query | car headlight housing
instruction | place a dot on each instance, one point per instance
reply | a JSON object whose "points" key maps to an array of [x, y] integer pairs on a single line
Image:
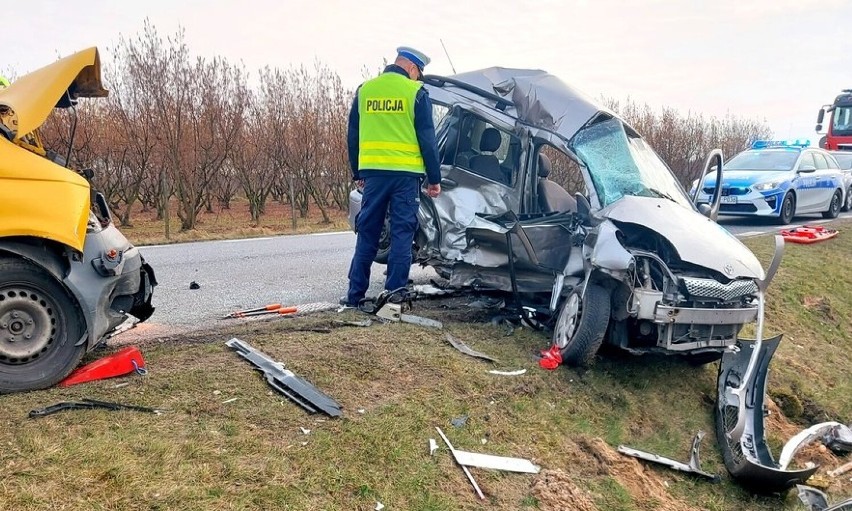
{"points": [[769, 185]]}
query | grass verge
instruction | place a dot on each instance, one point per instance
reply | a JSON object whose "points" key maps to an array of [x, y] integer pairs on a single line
{"points": [[251, 453]]}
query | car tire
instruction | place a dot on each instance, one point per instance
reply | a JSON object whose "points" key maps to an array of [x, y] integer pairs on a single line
{"points": [[581, 325], [384, 244], [834, 206], [40, 326], [847, 205], [788, 209]]}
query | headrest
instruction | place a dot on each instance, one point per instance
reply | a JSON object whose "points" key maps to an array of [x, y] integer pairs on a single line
{"points": [[490, 140], [543, 165]]}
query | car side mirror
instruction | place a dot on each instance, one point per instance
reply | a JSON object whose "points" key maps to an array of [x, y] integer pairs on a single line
{"points": [[818, 127], [807, 169], [820, 117]]}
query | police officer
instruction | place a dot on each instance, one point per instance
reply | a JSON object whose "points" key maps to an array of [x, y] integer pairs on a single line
{"points": [[392, 147]]}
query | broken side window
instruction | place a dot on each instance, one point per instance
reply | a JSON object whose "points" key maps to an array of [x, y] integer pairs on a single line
{"points": [[487, 150]]}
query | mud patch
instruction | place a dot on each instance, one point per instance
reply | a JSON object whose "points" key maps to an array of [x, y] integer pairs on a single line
{"points": [[556, 492], [647, 489], [821, 306]]}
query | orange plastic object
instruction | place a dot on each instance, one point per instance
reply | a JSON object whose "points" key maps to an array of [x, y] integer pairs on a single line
{"points": [[808, 234], [121, 363]]}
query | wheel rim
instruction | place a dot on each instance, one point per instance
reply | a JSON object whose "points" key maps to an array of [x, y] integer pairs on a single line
{"points": [[568, 320], [849, 199], [835, 203], [788, 209], [28, 319]]}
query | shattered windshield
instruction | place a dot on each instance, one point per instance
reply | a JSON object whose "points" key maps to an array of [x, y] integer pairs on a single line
{"points": [[622, 165]]}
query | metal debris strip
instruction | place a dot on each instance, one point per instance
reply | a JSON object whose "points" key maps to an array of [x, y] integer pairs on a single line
{"points": [[693, 466], [89, 404], [286, 382], [508, 373], [467, 350], [802, 439], [421, 321], [842, 469], [464, 468]]}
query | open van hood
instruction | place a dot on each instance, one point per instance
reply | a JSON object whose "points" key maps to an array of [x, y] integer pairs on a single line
{"points": [[26, 103]]}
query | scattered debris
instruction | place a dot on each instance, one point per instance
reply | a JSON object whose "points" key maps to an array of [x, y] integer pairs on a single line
{"points": [[89, 404], [393, 312], [740, 428], [433, 446], [242, 313], [362, 324], [432, 290], [123, 362], [228, 401], [464, 348], [121, 385], [486, 303], [693, 466], [390, 312], [483, 441], [464, 468], [217, 392], [417, 320], [508, 373], [286, 382], [459, 422], [802, 439], [194, 285], [473, 459], [305, 431], [842, 469], [839, 439], [362, 411], [379, 506], [550, 358], [129, 324], [818, 501]]}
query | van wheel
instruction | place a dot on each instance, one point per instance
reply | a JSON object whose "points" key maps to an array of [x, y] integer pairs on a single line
{"points": [[581, 325], [834, 206], [788, 209], [39, 327]]}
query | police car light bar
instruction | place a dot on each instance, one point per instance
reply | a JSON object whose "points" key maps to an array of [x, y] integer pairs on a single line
{"points": [[764, 144]]}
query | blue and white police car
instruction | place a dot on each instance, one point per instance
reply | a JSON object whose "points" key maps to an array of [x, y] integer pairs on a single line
{"points": [[779, 179]]}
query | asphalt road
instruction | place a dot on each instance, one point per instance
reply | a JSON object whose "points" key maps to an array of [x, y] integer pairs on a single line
{"points": [[290, 270]]}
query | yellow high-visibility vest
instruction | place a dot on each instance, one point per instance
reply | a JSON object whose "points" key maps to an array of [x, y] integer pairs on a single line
{"points": [[387, 139]]}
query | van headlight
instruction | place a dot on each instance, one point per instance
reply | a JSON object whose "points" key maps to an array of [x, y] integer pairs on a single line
{"points": [[93, 225]]}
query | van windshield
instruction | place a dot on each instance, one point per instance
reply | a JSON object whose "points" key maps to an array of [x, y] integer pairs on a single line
{"points": [[624, 164]]}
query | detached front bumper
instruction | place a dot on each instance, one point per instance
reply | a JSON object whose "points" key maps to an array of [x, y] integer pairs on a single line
{"points": [[111, 282], [752, 203]]}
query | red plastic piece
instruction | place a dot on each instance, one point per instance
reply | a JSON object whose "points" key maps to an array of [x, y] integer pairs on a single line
{"points": [[121, 363], [808, 234], [550, 358]]}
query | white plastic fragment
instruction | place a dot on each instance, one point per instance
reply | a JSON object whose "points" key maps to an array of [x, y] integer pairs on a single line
{"points": [[508, 373], [433, 446], [379, 506], [229, 400], [305, 431]]}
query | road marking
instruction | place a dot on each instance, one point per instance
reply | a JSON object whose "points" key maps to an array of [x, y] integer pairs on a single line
{"points": [[246, 239], [329, 233], [750, 233]]}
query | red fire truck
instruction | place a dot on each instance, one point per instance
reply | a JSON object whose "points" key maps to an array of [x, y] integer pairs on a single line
{"points": [[839, 136]]}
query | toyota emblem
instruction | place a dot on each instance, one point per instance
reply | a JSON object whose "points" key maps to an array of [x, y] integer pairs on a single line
{"points": [[729, 269]]}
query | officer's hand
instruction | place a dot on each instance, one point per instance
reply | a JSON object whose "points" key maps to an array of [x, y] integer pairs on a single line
{"points": [[360, 184], [433, 190]]}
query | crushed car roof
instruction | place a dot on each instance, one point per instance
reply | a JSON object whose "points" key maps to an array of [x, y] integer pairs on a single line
{"points": [[533, 96]]}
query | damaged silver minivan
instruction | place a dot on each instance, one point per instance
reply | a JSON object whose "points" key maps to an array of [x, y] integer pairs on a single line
{"points": [[556, 201]]}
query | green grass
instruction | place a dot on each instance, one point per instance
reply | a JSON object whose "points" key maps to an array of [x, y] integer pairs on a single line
{"points": [[249, 454]]}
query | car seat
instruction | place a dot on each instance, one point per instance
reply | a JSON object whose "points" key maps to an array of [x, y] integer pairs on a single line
{"points": [[551, 196], [487, 165]]}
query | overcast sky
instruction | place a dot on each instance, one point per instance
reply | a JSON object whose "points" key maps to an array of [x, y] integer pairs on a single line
{"points": [[772, 60]]}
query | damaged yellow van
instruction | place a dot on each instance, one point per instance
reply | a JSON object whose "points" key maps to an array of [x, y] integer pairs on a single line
{"points": [[68, 277]]}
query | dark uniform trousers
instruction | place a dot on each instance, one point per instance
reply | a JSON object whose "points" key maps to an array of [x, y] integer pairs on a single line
{"points": [[400, 194]]}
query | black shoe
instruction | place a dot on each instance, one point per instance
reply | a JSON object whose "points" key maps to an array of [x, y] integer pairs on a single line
{"points": [[344, 304]]}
